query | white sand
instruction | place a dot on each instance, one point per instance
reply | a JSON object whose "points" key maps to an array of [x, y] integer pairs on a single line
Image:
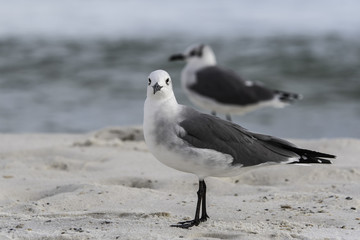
{"points": [[97, 186]]}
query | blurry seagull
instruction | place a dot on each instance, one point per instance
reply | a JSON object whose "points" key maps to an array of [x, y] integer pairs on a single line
{"points": [[221, 90], [187, 140]]}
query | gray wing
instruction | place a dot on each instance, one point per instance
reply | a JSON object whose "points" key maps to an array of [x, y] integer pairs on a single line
{"points": [[246, 148], [227, 87]]}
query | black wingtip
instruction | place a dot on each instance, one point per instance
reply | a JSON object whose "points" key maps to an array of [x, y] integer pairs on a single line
{"points": [[308, 156], [324, 161], [288, 97], [312, 161]]}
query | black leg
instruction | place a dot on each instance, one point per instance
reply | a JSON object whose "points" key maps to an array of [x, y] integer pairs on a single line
{"points": [[201, 198], [204, 215], [228, 117], [213, 113]]}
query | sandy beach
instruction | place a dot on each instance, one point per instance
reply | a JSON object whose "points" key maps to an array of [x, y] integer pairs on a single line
{"points": [[106, 185]]}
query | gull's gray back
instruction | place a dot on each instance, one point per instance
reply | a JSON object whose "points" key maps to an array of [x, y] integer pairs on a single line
{"points": [[248, 149], [225, 86]]}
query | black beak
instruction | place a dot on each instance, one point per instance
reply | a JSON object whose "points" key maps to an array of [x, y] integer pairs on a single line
{"points": [[177, 57], [156, 87]]}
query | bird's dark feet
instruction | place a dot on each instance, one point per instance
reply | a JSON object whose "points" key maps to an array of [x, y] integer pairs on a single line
{"points": [[187, 224], [191, 223], [204, 218]]}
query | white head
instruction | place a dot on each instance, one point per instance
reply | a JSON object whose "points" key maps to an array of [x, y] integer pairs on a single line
{"points": [[159, 85], [200, 54]]}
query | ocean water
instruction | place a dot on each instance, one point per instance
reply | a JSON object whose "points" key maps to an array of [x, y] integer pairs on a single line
{"points": [[78, 66]]}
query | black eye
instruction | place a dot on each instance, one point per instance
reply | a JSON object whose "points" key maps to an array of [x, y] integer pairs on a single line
{"points": [[167, 81], [149, 82], [193, 53]]}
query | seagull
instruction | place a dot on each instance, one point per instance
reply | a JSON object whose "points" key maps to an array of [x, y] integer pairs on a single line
{"points": [[207, 146], [221, 90]]}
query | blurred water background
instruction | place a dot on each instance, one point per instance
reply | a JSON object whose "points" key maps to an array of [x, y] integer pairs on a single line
{"points": [[77, 66]]}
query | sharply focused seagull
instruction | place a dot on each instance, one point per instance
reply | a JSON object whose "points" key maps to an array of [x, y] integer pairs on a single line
{"points": [[221, 90], [205, 145]]}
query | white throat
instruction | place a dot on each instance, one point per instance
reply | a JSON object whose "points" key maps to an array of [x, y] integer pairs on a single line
{"points": [[166, 107]]}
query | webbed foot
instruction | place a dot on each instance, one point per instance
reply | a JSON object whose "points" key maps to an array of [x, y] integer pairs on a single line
{"points": [[187, 224]]}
